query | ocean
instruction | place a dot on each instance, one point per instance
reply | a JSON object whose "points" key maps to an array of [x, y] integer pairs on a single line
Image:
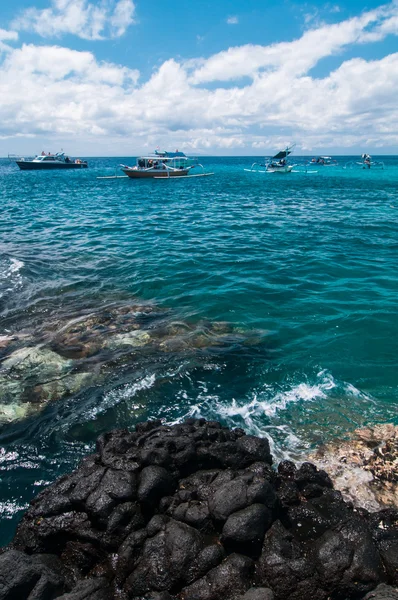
{"points": [[268, 302]]}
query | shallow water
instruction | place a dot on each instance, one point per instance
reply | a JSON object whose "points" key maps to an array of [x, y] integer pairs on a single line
{"points": [[303, 267]]}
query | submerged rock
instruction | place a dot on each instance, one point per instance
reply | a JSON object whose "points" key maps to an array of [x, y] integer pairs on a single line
{"points": [[364, 467], [65, 357], [195, 511], [13, 411], [36, 361], [6, 340], [135, 338]]}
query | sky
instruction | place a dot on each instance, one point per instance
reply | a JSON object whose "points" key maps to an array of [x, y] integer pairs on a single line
{"points": [[225, 77]]}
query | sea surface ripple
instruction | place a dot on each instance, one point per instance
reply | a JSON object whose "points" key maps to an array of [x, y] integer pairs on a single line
{"points": [[308, 259]]}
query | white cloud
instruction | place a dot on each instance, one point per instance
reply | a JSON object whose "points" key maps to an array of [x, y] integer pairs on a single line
{"points": [[233, 20], [66, 94], [88, 20], [298, 56], [11, 36]]}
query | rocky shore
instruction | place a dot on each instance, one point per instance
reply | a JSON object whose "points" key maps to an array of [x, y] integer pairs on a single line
{"points": [[364, 467], [196, 511]]}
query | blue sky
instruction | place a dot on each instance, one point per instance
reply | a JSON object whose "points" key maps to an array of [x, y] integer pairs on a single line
{"points": [[120, 77]]}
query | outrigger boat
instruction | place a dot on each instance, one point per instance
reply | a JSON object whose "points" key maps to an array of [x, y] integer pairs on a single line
{"points": [[50, 161], [365, 163], [276, 164], [163, 165]]}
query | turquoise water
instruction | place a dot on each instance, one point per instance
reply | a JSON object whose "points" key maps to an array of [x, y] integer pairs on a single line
{"points": [[302, 267]]}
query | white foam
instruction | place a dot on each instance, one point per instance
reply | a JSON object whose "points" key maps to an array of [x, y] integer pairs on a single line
{"points": [[116, 396], [264, 413], [9, 509], [7, 456], [10, 275], [16, 265]]}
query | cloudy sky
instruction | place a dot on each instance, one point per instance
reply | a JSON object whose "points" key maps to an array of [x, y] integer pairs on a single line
{"points": [[120, 77]]}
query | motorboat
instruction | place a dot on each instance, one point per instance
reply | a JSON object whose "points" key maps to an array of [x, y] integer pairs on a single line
{"points": [[324, 161], [161, 164], [50, 161], [276, 164]]}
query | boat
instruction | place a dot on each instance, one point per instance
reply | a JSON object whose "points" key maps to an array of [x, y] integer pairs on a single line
{"points": [[276, 164], [162, 165], [366, 162], [50, 161], [324, 161]]}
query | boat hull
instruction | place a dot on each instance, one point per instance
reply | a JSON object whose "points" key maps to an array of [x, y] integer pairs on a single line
{"points": [[284, 169], [26, 165], [137, 174]]}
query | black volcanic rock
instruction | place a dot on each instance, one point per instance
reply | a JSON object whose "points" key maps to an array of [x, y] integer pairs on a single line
{"points": [[29, 577], [382, 592], [195, 511]]}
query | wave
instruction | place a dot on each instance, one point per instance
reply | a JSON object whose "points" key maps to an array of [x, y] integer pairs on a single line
{"points": [[294, 415], [8, 510]]}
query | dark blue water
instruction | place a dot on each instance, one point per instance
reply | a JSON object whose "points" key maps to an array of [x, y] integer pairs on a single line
{"points": [[285, 289]]}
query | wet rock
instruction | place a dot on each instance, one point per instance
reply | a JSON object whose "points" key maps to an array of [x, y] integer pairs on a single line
{"points": [[29, 578], [89, 589], [258, 594], [12, 411], [30, 376], [229, 498], [165, 559], [135, 339], [364, 467], [38, 362], [64, 386], [114, 487], [285, 565], [244, 530], [231, 578], [6, 340], [382, 592], [155, 482], [388, 549], [169, 513]]}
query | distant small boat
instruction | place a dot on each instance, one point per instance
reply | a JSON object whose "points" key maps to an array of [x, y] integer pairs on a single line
{"points": [[324, 161], [50, 161], [276, 164], [366, 163], [161, 165]]}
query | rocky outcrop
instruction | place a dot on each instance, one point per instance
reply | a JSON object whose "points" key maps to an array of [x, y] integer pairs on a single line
{"points": [[365, 466], [197, 512]]}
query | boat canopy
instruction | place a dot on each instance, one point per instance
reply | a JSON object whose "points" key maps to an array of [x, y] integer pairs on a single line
{"points": [[175, 154], [283, 153]]}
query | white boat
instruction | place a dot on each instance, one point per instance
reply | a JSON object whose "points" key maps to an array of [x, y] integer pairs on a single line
{"points": [[276, 164], [162, 165]]}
